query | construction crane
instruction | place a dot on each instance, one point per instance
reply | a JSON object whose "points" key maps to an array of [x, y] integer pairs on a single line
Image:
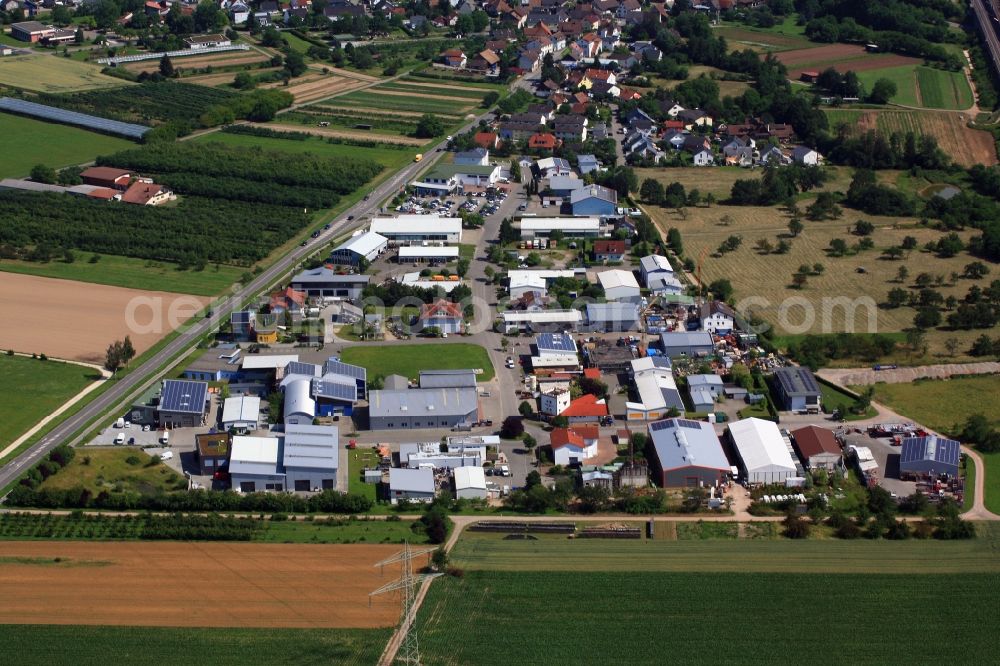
{"points": [[409, 650]]}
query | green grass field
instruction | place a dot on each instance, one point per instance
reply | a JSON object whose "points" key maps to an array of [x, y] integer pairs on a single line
{"points": [[558, 617], [357, 460], [836, 400], [106, 469], [921, 86], [28, 142], [991, 481], [483, 551], [409, 360], [32, 389], [52, 74], [132, 273], [942, 404], [388, 157], [45, 645], [440, 103], [783, 36]]}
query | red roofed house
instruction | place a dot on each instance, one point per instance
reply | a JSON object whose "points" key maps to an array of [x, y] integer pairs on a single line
{"points": [[629, 94], [487, 140], [444, 315], [817, 447], [117, 179], [543, 141], [572, 446], [677, 125], [454, 58], [609, 250], [586, 409], [288, 300], [147, 194], [604, 75]]}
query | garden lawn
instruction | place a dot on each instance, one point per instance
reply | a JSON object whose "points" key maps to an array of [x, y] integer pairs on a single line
{"points": [[100, 469], [409, 360], [357, 461], [33, 389], [27, 142], [836, 400], [133, 273], [45, 645], [386, 156], [942, 404], [559, 617]]}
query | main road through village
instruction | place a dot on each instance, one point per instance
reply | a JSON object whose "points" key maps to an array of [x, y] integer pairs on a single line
{"points": [[70, 431]]}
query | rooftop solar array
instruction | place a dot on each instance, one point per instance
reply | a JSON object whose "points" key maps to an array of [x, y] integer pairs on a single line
{"points": [[183, 396], [561, 342], [334, 390], [298, 368], [337, 367], [797, 381], [72, 118]]}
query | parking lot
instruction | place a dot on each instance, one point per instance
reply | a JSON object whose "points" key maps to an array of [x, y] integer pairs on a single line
{"points": [[887, 457]]}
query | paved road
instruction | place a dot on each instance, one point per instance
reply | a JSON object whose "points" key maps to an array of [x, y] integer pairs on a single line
{"points": [[147, 373]]}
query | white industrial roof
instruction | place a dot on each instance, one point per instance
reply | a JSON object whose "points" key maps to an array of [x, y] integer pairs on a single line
{"points": [[761, 446], [420, 251], [412, 480], [310, 446], [298, 399], [364, 243], [650, 388], [470, 477], [543, 316], [414, 280], [268, 361], [563, 223], [617, 278], [241, 409], [655, 262], [554, 361], [254, 450], [416, 224]]}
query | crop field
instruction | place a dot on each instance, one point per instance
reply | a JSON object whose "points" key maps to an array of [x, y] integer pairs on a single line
{"points": [[921, 86], [33, 389], [409, 360], [781, 37], [78, 321], [223, 78], [769, 277], [315, 86], [385, 123], [455, 84], [44, 73], [964, 145], [102, 469], [424, 102], [636, 618], [214, 60], [842, 57], [387, 156], [490, 552], [730, 88], [45, 645], [719, 180], [357, 135], [27, 142], [251, 585], [117, 271]]}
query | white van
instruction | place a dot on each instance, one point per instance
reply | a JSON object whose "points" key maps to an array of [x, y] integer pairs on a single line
{"points": [[119, 439], [120, 423], [167, 455], [165, 438]]}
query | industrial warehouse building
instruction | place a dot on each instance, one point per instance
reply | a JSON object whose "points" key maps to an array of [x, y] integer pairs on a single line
{"points": [[929, 457], [254, 464], [407, 229], [470, 483], [763, 455], [688, 453], [367, 246], [690, 344], [414, 485], [655, 388], [571, 227], [422, 408], [183, 404], [798, 389], [324, 282], [299, 405], [311, 457], [818, 448], [241, 413], [619, 285]]}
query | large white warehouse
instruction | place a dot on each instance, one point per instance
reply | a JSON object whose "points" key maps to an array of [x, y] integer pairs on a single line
{"points": [[761, 450]]}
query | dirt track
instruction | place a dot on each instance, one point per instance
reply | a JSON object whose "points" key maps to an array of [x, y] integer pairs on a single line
{"points": [[178, 584], [865, 376], [76, 320]]}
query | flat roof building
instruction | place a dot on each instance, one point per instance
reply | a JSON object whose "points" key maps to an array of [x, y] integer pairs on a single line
{"points": [[688, 454], [798, 389], [311, 457], [422, 408], [254, 464], [406, 229], [241, 413], [183, 403], [571, 227], [324, 282], [430, 379]]}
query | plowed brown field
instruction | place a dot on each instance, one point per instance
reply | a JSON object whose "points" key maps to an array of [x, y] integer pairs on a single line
{"points": [[963, 144], [185, 584], [842, 57], [77, 320]]}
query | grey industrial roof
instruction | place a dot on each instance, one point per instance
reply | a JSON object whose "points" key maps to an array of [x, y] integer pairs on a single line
{"points": [[555, 342], [334, 366], [411, 480], [601, 312], [796, 381], [686, 339], [311, 446], [255, 455], [325, 275], [423, 402], [183, 396], [447, 378], [695, 381], [683, 443], [938, 449]]}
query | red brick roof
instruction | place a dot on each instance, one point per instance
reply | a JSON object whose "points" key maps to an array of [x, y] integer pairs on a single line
{"points": [[543, 140], [599, 74], [561, 437], [440, 308], [141, 193], [586, 405], [288, 295], [609, 247], [485, 139], [813, 440], [592, 373]]}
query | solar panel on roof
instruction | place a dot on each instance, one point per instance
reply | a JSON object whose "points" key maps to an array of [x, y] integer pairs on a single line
{"points": [[338, 367], [58, 115], [661, 425], [685, 423], [334, 390], [299, 368]]}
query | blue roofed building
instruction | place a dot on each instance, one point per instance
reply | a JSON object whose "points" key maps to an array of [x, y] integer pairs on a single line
{"points": [[929, 457], [183, 404], [334, 395], [594, 200], [687, 454]]}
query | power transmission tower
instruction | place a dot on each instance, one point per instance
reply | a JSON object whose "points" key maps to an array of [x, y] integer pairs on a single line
{"points": [[409, 650]]}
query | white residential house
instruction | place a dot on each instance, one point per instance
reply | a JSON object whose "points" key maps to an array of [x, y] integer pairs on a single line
{"points": [[806, 156], [555, 402], [571, 446], [773, 155], [718, 318], [703, 157]]}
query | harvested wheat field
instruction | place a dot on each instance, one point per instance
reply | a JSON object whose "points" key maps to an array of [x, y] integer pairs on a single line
{"points": [[964, 145], [347, 134], [224, 59], [310, 89], [842, 57], [77, 321], [192, 584], [223, 78]]}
